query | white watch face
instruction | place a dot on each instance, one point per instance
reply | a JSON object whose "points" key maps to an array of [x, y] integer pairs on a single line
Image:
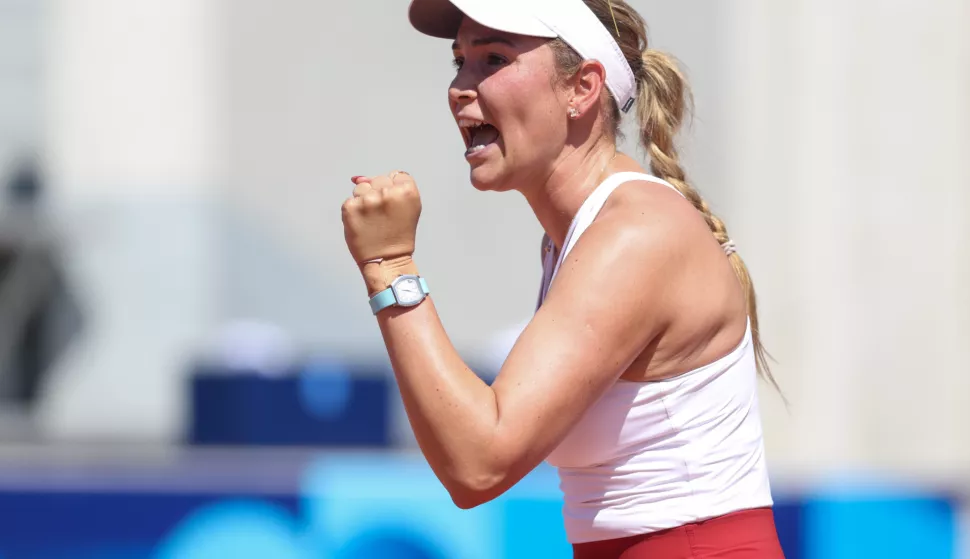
{"points": [[408, 292]]}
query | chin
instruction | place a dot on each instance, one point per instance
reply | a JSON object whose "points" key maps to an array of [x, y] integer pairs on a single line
{"points": [[481, 183], [485, 179]]}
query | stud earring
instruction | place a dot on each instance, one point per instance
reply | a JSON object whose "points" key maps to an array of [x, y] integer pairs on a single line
{"points": [[573, 112]]}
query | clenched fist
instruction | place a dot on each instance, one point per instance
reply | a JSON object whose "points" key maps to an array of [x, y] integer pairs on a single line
{"points": [[381, 219], [380, 224]]}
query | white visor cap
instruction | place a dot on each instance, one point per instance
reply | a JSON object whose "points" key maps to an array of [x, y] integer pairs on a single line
{"points": [[570, 20]]}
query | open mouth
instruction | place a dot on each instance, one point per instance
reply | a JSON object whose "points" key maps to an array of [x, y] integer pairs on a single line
{"points": [[478, 135]]}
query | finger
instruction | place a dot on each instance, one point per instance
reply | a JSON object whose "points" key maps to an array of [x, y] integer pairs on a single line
{"points": [[381, 182], [349, 207], [404, 184], [362, 188], [371, 200], [401, 177]]}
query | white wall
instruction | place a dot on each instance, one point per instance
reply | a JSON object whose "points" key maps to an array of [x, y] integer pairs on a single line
{"points": [[131, 144], [848, 132], [20, 80]]}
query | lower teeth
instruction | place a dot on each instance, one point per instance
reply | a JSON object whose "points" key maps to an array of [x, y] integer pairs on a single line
{"points": [[474, 149]]}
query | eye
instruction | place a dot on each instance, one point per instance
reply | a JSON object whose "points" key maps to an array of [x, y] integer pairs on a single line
{"points": [[458, 62], [496, 60]]}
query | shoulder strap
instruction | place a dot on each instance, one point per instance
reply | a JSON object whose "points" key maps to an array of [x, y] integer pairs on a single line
{"points": [[592, 206], [584, 218]]}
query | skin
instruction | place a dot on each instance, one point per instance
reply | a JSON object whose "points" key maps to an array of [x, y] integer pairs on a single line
{"points": [[646, 293]]}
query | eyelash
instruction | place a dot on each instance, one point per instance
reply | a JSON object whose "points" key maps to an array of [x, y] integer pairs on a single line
{"points": [[493, 59]]}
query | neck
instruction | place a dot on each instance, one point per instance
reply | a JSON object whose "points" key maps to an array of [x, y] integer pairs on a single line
{"points": [[572, 180]]}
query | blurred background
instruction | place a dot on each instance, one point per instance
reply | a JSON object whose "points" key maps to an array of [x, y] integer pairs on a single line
{"points": [[188, 367]]}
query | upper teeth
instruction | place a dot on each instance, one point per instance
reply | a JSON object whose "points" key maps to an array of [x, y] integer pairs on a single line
{"points": [[469, 123]]}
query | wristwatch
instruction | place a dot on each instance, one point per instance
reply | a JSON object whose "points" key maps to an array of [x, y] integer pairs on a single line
{"points": [[405, 291]]}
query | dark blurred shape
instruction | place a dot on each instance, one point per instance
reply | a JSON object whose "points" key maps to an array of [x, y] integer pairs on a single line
{"points": [[309, 405], [38, 315], [24, 188]]}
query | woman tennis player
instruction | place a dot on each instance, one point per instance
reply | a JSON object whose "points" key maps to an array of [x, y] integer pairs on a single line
{"points": [[637, 375]]}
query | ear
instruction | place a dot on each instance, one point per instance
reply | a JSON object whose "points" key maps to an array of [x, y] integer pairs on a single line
{"points": [[587, 86]]}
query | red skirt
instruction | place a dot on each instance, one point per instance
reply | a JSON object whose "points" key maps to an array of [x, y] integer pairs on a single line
{"points": [[749, 534]]}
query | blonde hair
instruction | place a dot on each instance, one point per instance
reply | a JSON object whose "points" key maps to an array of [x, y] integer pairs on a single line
{"points": [[664, 101]]}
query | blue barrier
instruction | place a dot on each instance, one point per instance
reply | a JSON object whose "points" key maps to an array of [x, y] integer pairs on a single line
{"points": [[390, 505], [319, 404], [79, 524]]}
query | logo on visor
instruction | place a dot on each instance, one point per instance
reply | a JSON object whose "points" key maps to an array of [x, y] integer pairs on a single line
{"points": [[629, 104]]}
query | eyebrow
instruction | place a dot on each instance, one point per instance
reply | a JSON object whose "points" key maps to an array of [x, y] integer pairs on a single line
{"points": [[486, 41]]}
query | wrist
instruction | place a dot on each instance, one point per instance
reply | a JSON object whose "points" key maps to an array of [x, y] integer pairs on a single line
{"points": [[378, 276]]}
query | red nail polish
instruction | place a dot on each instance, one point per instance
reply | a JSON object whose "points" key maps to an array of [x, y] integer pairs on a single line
{"points": [[355, 179]]}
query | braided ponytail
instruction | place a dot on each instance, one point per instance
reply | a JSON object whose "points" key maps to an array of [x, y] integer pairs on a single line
{"points": [[664, 102]]}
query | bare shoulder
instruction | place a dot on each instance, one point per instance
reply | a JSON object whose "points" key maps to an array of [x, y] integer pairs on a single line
{"points": [[625, 263], [627, 234], [609, 300], [649, 219], [657, 213], [703, 301], [654, 201]]}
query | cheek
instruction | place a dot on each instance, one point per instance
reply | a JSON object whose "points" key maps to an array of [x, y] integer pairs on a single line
{"points": [[526, 109]]}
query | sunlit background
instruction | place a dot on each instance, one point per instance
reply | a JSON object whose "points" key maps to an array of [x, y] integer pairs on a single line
{"points": [[188, 365]]}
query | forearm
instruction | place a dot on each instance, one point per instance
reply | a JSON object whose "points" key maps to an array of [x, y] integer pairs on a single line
{"points": [[453, 412]]}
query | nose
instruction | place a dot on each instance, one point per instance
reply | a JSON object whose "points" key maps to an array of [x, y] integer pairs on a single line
{"points": [[461, 96]]}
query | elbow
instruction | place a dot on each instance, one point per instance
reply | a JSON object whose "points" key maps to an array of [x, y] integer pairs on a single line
{"points": [[470, 491], [467, 501], [481, 477]]}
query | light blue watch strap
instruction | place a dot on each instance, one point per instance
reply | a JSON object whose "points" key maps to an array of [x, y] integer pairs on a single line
{"points": [[386, 298], [382, 300]]}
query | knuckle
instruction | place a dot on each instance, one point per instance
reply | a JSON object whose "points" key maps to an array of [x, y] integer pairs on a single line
{"points": [[397, 194], [372, 199], [381, 182], [409, 192]]}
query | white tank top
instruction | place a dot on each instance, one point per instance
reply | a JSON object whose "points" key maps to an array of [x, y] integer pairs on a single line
{"points": [[649, 456]]}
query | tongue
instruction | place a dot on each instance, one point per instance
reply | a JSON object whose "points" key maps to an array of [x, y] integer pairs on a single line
{"points": [[484, 135]]}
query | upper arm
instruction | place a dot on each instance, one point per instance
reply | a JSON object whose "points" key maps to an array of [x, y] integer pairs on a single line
{"points": [[603, 309]]}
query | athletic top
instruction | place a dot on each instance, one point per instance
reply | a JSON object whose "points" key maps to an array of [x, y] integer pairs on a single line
{"points": [[649, 456]]}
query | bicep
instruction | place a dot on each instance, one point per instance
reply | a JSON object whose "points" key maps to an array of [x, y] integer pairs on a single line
{"points": [[598, 317]]}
